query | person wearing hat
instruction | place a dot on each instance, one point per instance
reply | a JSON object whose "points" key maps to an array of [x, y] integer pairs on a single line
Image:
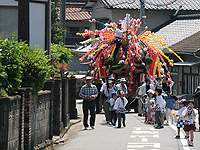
{"points": [[112, 110], [147, 105], [118, 39], [181, 119], [122, 86], [119, 106], [108, 93], [143, 90], [88, 92]]}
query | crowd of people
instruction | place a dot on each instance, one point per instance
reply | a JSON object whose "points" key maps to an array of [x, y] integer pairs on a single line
{"points": [[155, 102]]}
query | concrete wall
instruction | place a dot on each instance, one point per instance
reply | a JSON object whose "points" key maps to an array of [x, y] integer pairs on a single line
{"points": [[74, 65], [100, 12], [8, 3]]}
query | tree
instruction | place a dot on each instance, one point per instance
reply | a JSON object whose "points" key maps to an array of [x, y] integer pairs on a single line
{"points": [[57, 31]]}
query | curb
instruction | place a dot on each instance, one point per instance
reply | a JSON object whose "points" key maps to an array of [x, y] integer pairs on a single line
{"points": [[58, 140]]}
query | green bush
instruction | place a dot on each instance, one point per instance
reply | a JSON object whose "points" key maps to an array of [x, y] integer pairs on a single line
{"points": [[60, 54], [21, 66], [35, 68], [10, 65]]}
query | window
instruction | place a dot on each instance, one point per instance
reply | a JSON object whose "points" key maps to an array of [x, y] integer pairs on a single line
{"points": [[186, 69], [73, 31], [8, 21], [195, 69]]}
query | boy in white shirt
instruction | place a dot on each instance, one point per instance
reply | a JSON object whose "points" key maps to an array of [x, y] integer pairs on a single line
{"points": [[119, 106], [181, 119], [190, 115], [112, 110]]}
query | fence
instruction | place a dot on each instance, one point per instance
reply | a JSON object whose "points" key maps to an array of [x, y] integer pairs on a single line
{"points": [[31, 120]]}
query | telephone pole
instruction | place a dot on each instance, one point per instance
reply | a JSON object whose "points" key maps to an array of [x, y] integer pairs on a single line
{"points": [[142, 13], [62, 17]]}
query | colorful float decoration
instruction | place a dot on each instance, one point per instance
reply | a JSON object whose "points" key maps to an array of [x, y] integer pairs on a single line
{"points": [[140, 54]]}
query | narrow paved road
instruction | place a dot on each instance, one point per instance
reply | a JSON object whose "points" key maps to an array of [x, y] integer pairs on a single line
{"points": [[135, 136]]}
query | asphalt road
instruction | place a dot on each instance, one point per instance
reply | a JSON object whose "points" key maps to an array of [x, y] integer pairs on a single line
{"points": [[135, 136]]}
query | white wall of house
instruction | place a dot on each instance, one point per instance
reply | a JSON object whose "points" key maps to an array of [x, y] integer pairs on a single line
{"points": [[100, 12]]}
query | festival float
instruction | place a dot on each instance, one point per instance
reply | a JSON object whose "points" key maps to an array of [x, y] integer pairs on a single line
{"points": [[140, 56]]}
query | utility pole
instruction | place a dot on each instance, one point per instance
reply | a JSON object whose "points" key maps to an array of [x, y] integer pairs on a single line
{"points": [[62, 17], [142, 13], [23, 20]]}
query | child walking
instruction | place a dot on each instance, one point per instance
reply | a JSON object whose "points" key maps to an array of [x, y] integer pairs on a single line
{"points": [[147, 104], [152, 107], [158, 107], [112, 110], [181, 119], [190, 115], [119, 106]]}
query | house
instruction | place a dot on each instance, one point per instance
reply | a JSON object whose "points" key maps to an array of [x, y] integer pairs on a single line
{"points": [[178, 21], [158, 12], [183, 36], [29, 20], [77, 20]]}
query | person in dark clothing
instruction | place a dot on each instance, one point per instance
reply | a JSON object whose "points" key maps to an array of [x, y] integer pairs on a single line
{"points": [[88, 92], [98, 85], [165, 86]]}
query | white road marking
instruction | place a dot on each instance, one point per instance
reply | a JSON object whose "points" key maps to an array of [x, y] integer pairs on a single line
{"points": [[143, 136], [183, 140], [144, 132], [144, 140], [142, 145]]}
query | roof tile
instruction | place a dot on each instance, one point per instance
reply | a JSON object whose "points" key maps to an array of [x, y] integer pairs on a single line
{"points": [[153, 4], [182, 35]]}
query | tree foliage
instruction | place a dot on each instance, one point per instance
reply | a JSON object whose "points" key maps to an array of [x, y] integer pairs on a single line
{"points": [[57, 31], [21, 66]]}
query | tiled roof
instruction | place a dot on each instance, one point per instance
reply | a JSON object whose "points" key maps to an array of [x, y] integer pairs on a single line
{"points": [[189, 44], [153, 4], [74, 12], [180, 31]]}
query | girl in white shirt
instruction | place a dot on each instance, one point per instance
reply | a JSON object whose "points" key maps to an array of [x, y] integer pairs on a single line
{"points": [[190, 115]]}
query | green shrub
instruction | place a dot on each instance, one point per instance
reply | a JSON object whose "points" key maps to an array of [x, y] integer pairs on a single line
{"points": [[60, 54], [21, 66], [10, 65], [35, 68]]}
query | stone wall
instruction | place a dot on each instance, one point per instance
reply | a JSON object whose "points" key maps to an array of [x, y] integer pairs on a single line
{"points": [[10, 122], [29, 120]]}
